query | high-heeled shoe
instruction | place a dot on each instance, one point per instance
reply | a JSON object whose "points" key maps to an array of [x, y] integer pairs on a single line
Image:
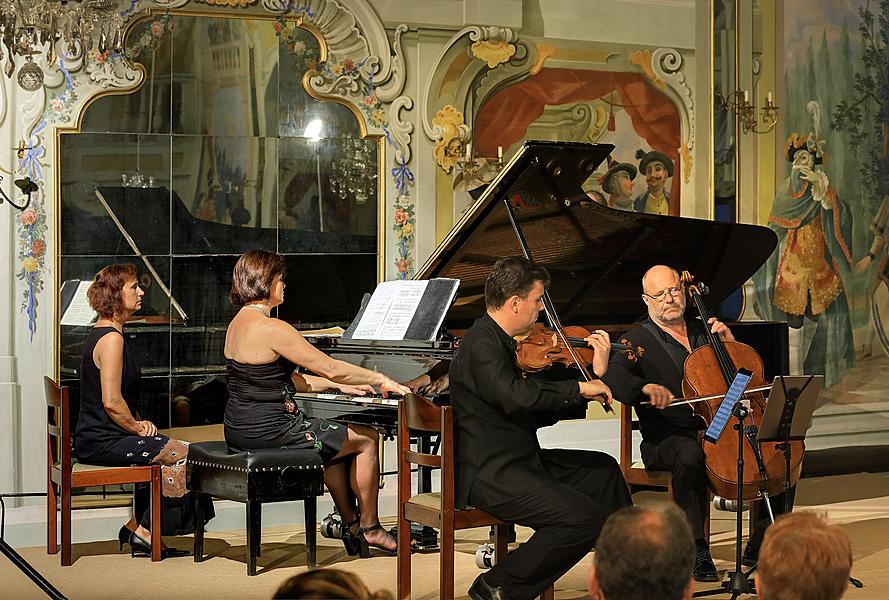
{"points": [[364, 545], [350, 540], [140, 547], [123, 536]]}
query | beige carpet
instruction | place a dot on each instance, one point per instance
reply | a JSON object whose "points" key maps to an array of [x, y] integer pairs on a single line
{"points": [[859, 503]]}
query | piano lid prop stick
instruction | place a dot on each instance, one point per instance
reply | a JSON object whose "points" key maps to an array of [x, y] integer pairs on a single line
{"points": [[135, 249]]}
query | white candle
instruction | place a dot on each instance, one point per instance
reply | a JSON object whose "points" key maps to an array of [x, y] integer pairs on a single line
{"points": [[769, 98], [468, 150], [499, 152], [746, 96]]}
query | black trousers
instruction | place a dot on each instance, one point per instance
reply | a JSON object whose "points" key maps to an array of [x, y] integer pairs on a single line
{"points": [[566, 512], [682, 455]]}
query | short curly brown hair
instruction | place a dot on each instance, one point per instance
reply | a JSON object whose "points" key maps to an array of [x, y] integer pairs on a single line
{"points": [[104, 292], [253, 275]]}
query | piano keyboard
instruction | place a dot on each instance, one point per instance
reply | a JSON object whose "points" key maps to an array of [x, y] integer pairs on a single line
{"points": [[366, 400]]}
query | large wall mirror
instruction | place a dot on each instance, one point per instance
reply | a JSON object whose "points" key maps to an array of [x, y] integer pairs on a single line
{"points": [[219, 151]]}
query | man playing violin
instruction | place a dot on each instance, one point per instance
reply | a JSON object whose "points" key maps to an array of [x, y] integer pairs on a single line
{"points": [[670, 439], [563, 495]]}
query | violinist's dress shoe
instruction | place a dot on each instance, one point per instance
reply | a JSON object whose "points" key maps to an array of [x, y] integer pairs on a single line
{"points": [[750, 556], [704, 569], [480, 590]]}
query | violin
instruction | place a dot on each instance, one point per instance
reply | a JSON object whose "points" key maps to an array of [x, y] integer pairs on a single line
{"points": [[708, 371], [542, 347]]}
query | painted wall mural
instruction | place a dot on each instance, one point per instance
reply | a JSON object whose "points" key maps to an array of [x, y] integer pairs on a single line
{"points": [[828, 276]]}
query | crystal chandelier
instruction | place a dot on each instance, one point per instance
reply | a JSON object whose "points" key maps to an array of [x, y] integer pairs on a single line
{"points": [[68, 28], [355, 176]]}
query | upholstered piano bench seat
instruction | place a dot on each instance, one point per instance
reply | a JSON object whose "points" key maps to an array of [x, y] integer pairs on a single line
{"points": [[256, 477]]}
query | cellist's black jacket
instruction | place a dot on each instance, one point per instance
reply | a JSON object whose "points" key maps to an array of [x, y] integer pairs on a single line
{"points": [[497, 412], [661, 363]]}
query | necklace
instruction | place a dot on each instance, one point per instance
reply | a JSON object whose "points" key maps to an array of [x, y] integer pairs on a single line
{"points": [[263, 309]]}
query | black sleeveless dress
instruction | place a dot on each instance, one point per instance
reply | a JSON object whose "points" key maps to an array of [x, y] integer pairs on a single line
{"points": [[257, 414], [99, 440]]}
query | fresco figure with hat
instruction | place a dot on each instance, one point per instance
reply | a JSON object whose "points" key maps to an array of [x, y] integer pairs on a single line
{"points": [[657, 168], [802, 282], [618, 182]]}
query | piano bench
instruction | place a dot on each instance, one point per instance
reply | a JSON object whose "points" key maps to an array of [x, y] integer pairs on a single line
{"points": [[256, 477]]}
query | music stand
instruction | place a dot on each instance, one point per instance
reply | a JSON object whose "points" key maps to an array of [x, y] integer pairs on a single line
{"points": [[788, 416]]}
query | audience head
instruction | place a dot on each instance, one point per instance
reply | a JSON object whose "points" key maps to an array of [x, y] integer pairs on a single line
{"points": [[321, 584], [512, 276], [642, 553], [106, 293], [803, 558], [253, 276]]}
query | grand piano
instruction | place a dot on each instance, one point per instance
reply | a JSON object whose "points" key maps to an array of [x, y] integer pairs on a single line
{"points": [[596, 257]]}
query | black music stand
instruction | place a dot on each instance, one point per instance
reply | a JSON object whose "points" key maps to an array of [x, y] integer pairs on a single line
{"points": [[787, 418], [788, 415]]}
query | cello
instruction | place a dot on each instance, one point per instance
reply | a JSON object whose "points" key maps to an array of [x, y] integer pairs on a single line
{"points": [[708, 371]]}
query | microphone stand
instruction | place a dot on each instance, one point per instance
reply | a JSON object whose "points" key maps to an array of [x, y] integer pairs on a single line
{"points": [[738, 582], [16, 559]]}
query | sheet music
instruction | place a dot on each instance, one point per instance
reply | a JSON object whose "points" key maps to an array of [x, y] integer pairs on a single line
{"points": [[79, 311], [390, 310]]}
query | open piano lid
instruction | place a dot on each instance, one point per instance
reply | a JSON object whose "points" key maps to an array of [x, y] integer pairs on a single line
{"points": [[596, 256]]}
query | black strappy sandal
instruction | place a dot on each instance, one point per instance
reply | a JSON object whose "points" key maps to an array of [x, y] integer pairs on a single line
{"points": [[364, 545], [350, 540]]}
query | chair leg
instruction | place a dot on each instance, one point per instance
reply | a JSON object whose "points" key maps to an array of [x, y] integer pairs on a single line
{"points": [[198, 527], [52, 517], [404, 557], [446, 575], [66, 523], [310, 508], [157, 528], [501, 542], [549, 593], [254, 509]]}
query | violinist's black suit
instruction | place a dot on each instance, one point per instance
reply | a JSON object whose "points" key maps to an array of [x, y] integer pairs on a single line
{"points": [[564, 495], [670, 436]]}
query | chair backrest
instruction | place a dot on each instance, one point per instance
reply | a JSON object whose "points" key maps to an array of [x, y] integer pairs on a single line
{"points": [[419, 415], [58, 425], [627, 425]]}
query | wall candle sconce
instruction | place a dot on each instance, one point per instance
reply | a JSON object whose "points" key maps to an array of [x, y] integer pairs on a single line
{"points": [[471, 167], [739, 103]]}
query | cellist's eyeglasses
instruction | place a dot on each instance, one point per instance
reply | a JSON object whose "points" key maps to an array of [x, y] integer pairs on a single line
{"points": [[662, 295]]}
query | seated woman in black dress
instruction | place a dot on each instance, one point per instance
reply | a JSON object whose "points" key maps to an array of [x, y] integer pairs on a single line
{"points": [[262, 353], [108, 431]]}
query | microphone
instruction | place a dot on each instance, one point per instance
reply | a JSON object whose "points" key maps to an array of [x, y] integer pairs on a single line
{"points": [[725, 504]]}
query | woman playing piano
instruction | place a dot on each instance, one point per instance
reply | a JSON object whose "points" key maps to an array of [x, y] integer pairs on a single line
{"points": [[262, 354]]}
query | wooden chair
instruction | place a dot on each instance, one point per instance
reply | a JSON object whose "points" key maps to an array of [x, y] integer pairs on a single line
{"points": [[417, 415], [635, 473], [63, 472]]}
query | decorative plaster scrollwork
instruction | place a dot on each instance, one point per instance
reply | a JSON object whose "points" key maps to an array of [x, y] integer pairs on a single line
{"points": [[493, 52], [667, 64], [499, 38], [400, 131], [450, 122], [112, 73], [177, 4], [663, 67]]}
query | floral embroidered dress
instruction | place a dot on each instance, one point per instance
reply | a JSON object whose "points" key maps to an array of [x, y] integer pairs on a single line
{"points": [[261, 412]]}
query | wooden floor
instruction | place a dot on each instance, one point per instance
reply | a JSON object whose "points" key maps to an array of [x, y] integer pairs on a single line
{"points": [[858, 503]]}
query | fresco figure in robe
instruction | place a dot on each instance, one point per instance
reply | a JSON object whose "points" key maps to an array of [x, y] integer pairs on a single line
{"points": [[802, 282]]}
